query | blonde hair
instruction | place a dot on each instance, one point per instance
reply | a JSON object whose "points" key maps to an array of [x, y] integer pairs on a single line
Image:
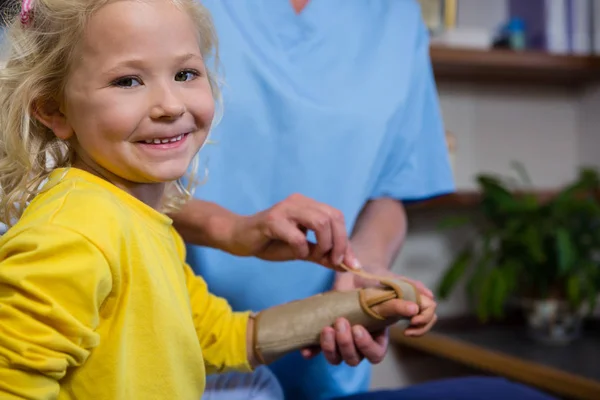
{"points": [[39, 55]]}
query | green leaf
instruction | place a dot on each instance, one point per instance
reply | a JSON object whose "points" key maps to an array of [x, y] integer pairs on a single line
{"points": [[532, 239], [499, 291], [565, 251], [530, 246], [453, 222], [474, 284], [510, 272], [480, 267], [494, 192], [485, 298], [574, 290], [454, 273]]}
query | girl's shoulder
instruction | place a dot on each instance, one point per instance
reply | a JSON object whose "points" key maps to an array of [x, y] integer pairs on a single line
{"points": [[94, 208], [78, 206], [76, 202]]}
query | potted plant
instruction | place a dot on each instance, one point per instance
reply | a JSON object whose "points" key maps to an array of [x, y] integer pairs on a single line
{"points": [[543, 252]]}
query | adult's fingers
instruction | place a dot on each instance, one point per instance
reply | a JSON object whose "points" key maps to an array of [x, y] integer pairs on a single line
{"points": [[326, 222], [284, 230], [339, 236], [328, 346], [304, 218], [345, 343], [324, 260], [322, 226], [373, 348], [350, 259]]}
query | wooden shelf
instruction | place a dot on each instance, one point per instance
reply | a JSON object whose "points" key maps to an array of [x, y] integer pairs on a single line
{"points": [[504, 66], [454, 200], [503, 349], [464, 199]]}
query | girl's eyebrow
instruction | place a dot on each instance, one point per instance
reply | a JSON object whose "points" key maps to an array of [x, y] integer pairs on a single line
{"points": [[189, 56], [139, 63]]}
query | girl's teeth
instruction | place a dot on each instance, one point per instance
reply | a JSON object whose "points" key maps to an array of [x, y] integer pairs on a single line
{"points": [[160, 141]]}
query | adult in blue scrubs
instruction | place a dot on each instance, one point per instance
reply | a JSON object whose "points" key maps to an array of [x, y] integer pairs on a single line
{"points": [[336, 102]]}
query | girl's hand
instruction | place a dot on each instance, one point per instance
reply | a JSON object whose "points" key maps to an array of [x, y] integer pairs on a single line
{"points": [[421, 323], [353, 344]]}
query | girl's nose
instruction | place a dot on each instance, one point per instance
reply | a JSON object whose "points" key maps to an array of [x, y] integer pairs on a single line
{"points": [[168, 104]]}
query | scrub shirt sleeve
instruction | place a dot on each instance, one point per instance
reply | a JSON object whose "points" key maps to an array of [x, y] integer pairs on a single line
{"points": [[417, 163]]}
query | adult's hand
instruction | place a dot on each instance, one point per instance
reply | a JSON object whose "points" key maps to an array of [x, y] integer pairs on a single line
{"points": [[279, 234]]}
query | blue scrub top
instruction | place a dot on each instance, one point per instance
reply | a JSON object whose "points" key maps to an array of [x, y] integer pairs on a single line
{"points": [[337, 103]]}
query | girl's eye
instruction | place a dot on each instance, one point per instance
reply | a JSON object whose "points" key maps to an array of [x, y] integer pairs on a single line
{"points": [[127, 82], [187, 75]]}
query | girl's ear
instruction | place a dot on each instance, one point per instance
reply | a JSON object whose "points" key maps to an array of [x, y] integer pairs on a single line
{"points": [[49, 113]]}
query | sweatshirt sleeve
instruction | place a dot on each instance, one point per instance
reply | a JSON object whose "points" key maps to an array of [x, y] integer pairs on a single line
{"points": [[221, 332], [53, 282]]}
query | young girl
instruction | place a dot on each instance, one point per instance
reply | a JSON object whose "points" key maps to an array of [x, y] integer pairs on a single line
{"points": [[103, 106]]}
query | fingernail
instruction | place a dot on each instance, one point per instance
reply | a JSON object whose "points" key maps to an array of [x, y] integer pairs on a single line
{"points": [[413, 309], [340, 260], [340, 327], [355, 264], [358, 333]]}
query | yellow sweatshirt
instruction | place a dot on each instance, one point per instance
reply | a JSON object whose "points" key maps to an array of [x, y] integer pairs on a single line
{"points": [[97, 302]]}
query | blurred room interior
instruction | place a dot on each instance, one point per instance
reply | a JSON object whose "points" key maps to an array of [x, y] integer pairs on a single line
{"points": [[519, 89]]}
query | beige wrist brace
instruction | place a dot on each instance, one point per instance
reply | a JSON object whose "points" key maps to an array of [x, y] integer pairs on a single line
{"points": [[298, 324]]}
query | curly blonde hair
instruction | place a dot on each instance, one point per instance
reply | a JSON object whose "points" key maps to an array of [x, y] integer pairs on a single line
{"points": [[34, 70]]}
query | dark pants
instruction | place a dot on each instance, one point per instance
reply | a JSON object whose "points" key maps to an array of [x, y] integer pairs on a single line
{"points": [[471, 388]]}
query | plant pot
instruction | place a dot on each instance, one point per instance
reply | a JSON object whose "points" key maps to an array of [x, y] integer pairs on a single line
{"points": [[553, 321]]}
